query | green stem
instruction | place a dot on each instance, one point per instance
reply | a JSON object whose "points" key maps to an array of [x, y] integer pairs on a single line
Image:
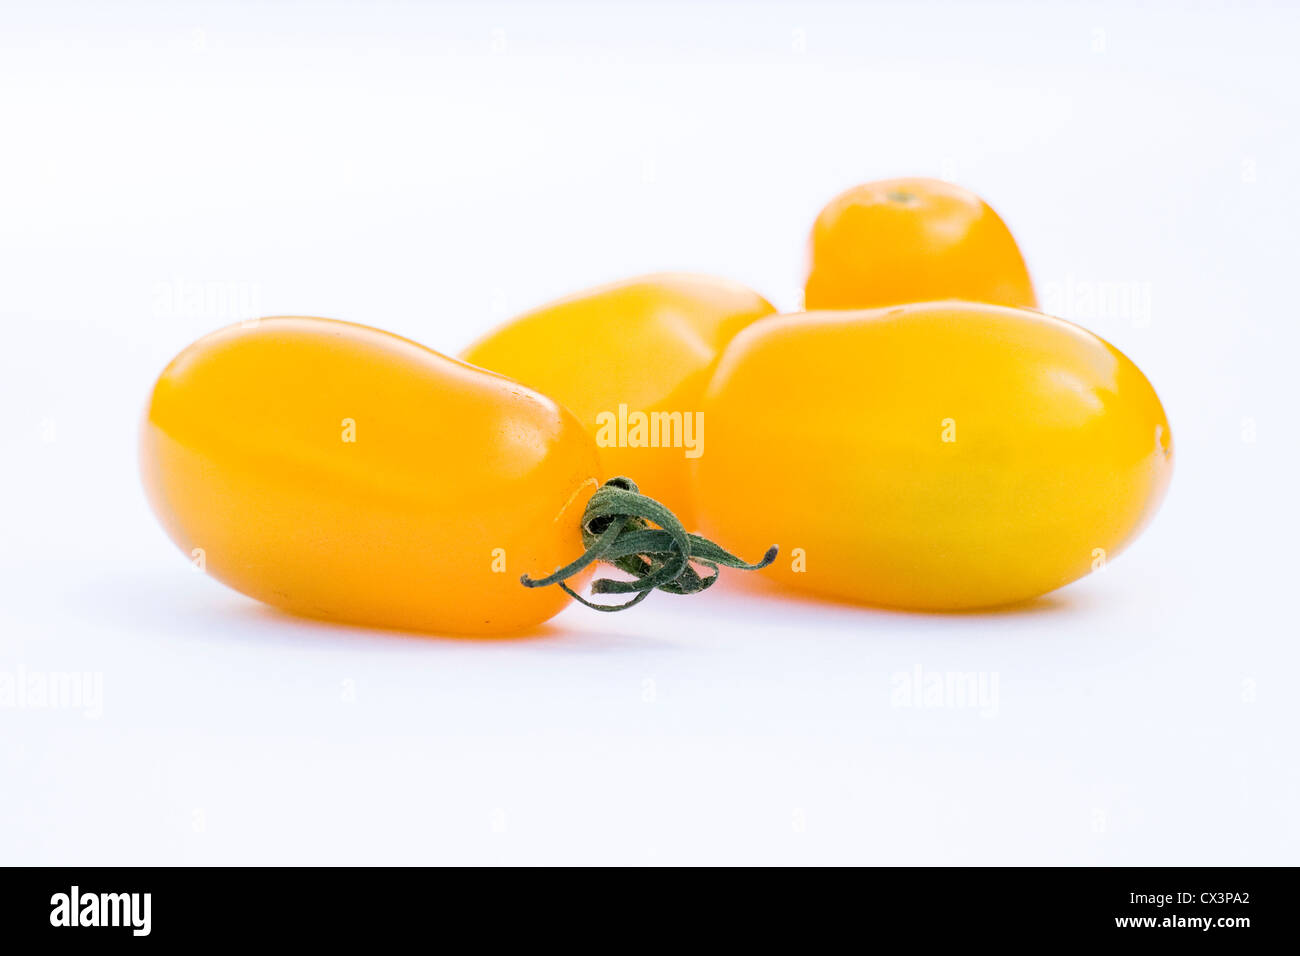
{"points": [[618, 527]]}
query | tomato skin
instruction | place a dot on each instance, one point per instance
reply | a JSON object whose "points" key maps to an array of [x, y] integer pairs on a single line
{"points": [[648, 343], [244, 454], [912, 240], [935, 456]]}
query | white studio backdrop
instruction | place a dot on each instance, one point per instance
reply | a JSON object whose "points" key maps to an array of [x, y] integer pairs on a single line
{"points": [[166, 168]]}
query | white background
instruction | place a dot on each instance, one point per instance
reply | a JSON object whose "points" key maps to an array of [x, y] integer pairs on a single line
{"points": [[433, 169]]}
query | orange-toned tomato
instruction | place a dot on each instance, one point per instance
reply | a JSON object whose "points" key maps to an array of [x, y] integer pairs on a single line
{"points": [[340, 472], [912, 240], [935, 456], [631, 360]]}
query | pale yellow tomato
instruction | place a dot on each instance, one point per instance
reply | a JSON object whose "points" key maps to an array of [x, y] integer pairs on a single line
{"points": [[631, 360], [936, 456]]}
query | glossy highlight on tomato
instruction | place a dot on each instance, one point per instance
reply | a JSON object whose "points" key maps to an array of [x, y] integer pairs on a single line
{"points": [[912, 240], [640, 347], [341, 472], [934, 456]]}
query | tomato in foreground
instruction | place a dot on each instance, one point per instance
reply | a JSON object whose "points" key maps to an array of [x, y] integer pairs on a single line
{"points": [[631, 360], [936, 456], [340, 472], [912, 240]]}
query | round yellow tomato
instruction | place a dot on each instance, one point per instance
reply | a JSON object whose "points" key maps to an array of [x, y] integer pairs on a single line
{"points": [[912, 240], [631, 361], [935, 456], [340, 472]]}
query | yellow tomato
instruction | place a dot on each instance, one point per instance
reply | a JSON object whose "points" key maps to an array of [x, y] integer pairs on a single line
{"points": [[912, 240], [631, 360], [341, 472], [935, 456]]}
